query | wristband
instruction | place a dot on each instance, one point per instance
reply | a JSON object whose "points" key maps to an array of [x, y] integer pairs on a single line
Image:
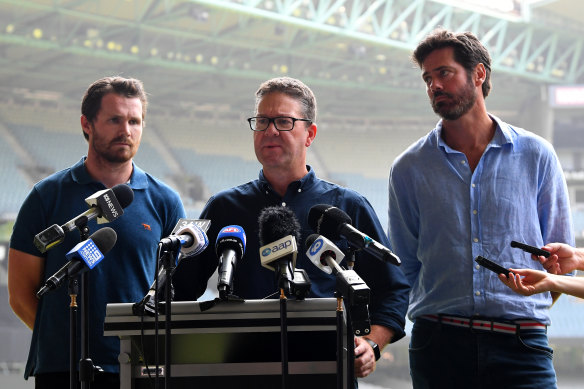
{"points": [[375, 348]]}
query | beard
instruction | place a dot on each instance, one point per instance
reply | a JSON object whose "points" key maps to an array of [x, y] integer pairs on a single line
{"points": [[107, 149], [457, 105]]}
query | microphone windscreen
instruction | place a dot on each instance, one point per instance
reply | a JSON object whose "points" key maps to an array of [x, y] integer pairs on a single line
{"points": [[325, 220], [199, 243], [124, 194], [310, 240], [276, 223], [232, 237], [104, 238]]}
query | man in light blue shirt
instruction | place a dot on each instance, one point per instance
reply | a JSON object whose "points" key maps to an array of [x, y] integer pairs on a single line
{"points": [[469, 188]]}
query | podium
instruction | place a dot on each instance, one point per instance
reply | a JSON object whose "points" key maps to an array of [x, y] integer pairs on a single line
{"points": [[231, 343]]}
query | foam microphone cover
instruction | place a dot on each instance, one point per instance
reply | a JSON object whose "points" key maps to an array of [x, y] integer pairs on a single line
{"points": [[277, 222], [325, 220], [310, 240], [104, 238], [124, 194]]}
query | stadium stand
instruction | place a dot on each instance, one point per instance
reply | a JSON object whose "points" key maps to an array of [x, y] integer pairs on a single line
{"points": [[213, 153], [217, 156], [363, 151], [15, 185], [578, 215], [218, 172], [149, 160]]}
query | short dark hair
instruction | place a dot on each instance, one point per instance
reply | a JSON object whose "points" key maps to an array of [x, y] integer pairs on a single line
{"points": [[468, 51], [128, 87], [293, 88]]}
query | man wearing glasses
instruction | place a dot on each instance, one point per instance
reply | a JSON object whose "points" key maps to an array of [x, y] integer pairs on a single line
{"points": [[283, 129]]}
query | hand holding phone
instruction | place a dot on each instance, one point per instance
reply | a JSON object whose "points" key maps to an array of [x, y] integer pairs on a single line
{"points": [[530, 249], [492, 266]]}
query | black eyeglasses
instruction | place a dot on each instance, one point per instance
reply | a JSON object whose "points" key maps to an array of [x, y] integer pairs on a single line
{"points": [[282, 123]]}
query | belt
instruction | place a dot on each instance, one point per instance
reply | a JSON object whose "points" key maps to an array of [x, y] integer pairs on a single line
{"points": [[487, 325]]}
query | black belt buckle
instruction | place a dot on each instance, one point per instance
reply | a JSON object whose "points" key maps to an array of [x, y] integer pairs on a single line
{"points": [[440, 322], [517, 327], [471, 324]]}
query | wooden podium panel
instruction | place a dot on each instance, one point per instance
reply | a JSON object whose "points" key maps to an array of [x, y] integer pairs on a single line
{"points": [[231, 343]]}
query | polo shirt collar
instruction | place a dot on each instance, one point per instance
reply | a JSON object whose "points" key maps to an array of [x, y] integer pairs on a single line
{"points": [[138, 180], [304, 183]]}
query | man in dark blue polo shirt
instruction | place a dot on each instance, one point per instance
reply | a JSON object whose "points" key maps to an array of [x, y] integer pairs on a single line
{"points": [[283, 128], [112, 120]]}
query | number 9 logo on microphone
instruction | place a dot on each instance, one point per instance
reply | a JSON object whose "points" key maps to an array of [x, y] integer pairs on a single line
{"points": [[316, 246]]}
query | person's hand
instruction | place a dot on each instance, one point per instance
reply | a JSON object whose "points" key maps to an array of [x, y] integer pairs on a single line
{"points": [[562, 259], [364, 358], [527, 281]]}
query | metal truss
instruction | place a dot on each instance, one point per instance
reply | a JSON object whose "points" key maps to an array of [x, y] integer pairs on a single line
{"points": [[343, 43], [547, 52]]}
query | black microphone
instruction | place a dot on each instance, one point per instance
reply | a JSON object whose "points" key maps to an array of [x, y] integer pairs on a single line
{"points": [[530, 249], [230, 247], [279, 231], [84, 256], [334, 223], [106, 205]]}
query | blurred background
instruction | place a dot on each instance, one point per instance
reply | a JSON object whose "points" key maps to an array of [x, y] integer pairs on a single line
{"points": [[201, 62]]}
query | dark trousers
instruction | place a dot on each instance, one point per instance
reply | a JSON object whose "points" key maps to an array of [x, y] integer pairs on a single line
{"points": [[61, 380], [443, 356]]}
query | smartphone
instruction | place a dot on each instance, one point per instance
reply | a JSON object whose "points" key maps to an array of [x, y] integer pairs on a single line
{"points": [[492, 266], [530, 249]]}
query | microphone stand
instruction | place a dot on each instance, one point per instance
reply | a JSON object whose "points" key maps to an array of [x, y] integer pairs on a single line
{"points": [[167, 316], [350, 352], [284, 337], [350, 258], [339, 318], [156, 313], [168, 263], [339, 274], [87, 369], [73, 292]]}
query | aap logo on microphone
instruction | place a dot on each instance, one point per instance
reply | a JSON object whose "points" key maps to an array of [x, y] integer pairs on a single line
{"points": [[316, 246], [287, 242]]}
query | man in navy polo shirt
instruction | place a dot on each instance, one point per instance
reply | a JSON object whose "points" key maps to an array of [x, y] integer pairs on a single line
{"points": [[283, 128], [112, 120]]}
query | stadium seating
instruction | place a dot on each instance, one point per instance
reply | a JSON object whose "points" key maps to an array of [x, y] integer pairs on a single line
{"points": [[15, 187], [221, 156], [219, 152]]}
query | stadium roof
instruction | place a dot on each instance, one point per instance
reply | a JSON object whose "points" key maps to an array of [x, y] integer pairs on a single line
{"points": [[210, 55]]}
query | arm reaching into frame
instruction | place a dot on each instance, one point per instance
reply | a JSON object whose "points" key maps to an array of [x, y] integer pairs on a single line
{"points": [[529, 281], [563, 259]]}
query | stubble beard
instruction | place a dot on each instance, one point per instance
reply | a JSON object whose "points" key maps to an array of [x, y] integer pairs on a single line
{"points": [[108, 152], [459, 106]]}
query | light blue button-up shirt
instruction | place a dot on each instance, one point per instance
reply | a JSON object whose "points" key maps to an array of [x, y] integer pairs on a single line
{"points": [[442, 215]]}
